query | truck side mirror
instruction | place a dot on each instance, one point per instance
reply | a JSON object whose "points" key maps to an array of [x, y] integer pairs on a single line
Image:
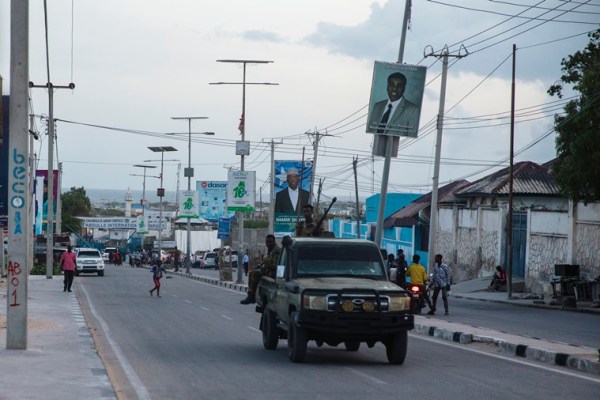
{"points": [[280, 271]]}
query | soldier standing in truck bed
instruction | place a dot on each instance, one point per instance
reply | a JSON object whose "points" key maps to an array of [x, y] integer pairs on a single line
{"points": [[267, 268], [308, 227]]}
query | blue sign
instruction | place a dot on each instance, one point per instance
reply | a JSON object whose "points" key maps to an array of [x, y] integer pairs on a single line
{"points": [[224, 227]]}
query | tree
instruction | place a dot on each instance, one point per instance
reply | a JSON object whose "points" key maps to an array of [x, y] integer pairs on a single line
{"points": [[577, 166], [75, 203]]}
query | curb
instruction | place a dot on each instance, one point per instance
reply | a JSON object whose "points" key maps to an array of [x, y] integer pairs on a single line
{"points": [[515, 303], [514, 349]]}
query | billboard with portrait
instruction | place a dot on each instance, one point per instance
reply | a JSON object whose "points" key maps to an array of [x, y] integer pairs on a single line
{"points": [[212, 200], [292, 192], [396, 99]]}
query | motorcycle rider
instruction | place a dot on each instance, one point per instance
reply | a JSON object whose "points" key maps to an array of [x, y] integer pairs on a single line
{"points": [[418, 276]]}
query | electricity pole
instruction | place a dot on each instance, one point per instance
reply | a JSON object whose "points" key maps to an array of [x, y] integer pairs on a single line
{"points": [[272, 143], [433, 220], [51, 200]]}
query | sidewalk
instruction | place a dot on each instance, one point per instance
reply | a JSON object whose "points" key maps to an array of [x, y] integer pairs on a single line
{"points": [[60, 361], [570, 356]]}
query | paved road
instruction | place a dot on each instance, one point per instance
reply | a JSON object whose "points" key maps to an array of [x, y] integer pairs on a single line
{"points": [[197, 341]]}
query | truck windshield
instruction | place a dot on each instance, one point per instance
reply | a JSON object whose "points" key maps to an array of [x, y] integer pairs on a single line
{"points": [[339, 261]]}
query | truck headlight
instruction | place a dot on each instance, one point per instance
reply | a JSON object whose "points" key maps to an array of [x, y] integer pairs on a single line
{"points": [[399, 303], [315, 302]]}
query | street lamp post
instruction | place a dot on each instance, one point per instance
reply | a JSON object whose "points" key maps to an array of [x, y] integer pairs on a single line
{"points": [[143, 201], [189, 173], [161, 191], [243, 133]]}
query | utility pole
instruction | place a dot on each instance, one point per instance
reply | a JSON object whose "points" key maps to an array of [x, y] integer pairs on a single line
{"points": [[272, 143], [242, 128], [50, 208], [19, 224], [59, 200], [315, 137], [510, 182], [433, 220], [354, 162], [390, 143]]}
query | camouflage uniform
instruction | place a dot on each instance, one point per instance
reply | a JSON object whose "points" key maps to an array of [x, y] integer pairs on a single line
{"points": [[308, 229], [268, 268]]}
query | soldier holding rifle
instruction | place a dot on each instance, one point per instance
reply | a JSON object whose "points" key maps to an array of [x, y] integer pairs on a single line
{"points": [[267, 268]]}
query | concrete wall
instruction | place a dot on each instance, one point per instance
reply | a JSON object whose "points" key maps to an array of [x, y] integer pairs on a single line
{"points": [[473, 241]]}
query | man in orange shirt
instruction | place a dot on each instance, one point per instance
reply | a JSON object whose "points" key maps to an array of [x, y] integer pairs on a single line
{"points": [[68, 263]]}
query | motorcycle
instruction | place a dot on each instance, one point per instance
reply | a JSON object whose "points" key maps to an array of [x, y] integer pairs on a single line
{"points": [[417, 292]]}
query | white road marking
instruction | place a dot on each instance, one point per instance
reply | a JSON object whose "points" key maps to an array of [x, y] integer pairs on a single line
{"points": [[530, 363], [187, 301], [366, 376], [134, 379], [205, 308], [253, 329], [226, 317]]}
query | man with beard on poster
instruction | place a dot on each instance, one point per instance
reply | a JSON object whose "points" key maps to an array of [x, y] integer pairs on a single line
{"points": [[289, 199]]}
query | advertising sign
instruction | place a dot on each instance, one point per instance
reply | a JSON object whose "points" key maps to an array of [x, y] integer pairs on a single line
{"points": [[40, 195], [188, 204], [142, 225], [212, 200], [241, 191], [224, 228], [396, 99], [292, 192]]}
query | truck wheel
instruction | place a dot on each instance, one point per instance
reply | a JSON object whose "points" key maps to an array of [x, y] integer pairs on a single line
{"points": [[396, 348], [352, 345], [269, 330], [296, 343], [100, 273]]}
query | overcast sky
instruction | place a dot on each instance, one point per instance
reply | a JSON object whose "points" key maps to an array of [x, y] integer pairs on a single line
{"points": [[137, 63]]}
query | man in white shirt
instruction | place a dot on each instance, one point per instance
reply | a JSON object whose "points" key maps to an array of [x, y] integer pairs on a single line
{"points": [[293, 197]]}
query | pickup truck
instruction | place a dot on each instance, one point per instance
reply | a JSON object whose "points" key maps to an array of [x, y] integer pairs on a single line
{"points": [[333, 291]]}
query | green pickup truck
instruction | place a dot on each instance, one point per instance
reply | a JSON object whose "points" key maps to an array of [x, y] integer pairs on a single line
{"points": [[333, 291]]}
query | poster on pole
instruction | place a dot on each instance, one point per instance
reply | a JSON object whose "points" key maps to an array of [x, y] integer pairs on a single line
{"points": [[40, 195], [241, 191], [213, 200], [396, 99], [292, 192], [188, 204], [141, 225], [224, 228]]}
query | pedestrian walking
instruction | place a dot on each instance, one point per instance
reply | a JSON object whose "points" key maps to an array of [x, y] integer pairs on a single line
{"points": [[246, 263], [157, 273], [441, 282], [68, 263]]}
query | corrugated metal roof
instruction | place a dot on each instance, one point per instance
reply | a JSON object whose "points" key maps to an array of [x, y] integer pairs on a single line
{"points": [[529, 178], [408, 216]]}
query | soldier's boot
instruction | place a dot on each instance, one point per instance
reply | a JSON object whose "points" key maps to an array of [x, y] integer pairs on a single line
{"points": [[250, 299]]}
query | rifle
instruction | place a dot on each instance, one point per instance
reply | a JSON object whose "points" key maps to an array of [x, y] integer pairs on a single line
{"points": [[315, 231]]}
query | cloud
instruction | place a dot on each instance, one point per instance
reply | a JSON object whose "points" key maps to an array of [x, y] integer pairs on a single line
{"points": [[263, 36]]}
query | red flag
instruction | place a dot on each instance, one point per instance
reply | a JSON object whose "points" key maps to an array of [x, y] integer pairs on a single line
{"points": [[241, 125]]}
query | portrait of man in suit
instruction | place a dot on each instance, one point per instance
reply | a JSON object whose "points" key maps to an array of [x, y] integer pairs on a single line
{"points": [[293, 197], [395, 115]]}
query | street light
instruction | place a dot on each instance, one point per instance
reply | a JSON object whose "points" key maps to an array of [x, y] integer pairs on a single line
{"points": [[189, 173], [243, 133], [143, 201], [160, 192]]}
